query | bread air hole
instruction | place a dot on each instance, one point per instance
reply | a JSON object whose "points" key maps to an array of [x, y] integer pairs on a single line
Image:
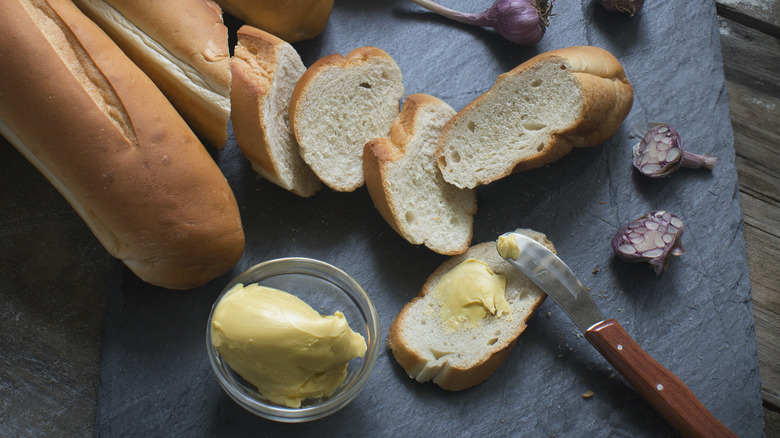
{"points": [[540, 147], [534, 126], [365, 85], [536, 82], [492, 341], [409, 217], [455, 156], [471, 126]]}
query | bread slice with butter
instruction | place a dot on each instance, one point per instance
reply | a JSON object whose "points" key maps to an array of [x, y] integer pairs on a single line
{"points": [[338, 105], [406, 185], [432, 341], [535, 114]]}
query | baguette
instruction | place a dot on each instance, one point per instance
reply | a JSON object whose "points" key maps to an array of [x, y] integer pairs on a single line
{"points": [[535, 114], [338, 105], [265, 71], [102, 133], [183, 46], [406, 185], [290, 20], [428, 349]]}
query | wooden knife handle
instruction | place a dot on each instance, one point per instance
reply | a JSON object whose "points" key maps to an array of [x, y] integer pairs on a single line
{"points": [[662, 389]]}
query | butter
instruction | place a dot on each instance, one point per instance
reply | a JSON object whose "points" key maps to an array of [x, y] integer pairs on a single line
{"points": [[469, 292], [507, 247], [282, 346]]}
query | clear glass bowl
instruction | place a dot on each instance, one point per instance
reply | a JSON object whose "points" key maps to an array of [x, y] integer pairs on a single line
{"points": [[327, 289]]}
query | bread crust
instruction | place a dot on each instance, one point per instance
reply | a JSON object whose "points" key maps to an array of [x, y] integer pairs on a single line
{"points": [[607, 100], [451, 377], [381, 152], [290, 20], [114, 147], [192, 31]]}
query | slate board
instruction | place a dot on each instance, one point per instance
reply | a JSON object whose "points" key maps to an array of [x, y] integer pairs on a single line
{"points": [[695, 319]]}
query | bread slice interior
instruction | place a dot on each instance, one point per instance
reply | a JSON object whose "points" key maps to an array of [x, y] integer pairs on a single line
{"points": [[406, 184]]}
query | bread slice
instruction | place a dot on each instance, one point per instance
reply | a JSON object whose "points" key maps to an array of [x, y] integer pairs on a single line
{"points": [[535, 114], [456, 359], [265, 70], [406, 185], [338, 105]]}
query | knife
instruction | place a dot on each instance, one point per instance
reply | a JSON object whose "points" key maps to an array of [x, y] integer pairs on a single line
{"points": [[659, 387]]}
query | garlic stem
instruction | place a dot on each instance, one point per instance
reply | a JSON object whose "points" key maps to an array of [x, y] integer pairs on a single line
{"points": [[460, 17], [695, 161]]}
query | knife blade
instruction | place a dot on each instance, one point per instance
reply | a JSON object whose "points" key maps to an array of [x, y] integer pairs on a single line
{"points": [[659, 387]]}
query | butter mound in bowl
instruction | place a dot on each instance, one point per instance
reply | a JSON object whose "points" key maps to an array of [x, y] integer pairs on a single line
{"points": [[293, 339]]}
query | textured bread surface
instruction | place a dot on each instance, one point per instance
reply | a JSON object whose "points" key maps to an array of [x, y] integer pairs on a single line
{"points": [[114, 146], [338, 105], [183, 46], [429, 350], [265, 71], [406, 185], [290, 20], [535, 114]]}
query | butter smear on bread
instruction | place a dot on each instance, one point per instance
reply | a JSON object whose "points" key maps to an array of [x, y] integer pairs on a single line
{"points": [[469, 292]]}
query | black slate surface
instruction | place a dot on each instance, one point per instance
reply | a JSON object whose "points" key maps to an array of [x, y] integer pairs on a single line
{"points": [[695, 319]]}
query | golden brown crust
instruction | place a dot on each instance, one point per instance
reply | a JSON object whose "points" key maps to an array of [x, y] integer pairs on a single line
{"points": [[193, 32], [455, 378], [151, 193], [290, 20]]}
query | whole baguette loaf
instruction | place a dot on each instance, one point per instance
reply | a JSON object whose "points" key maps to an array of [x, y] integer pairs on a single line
{"points": [[338, 105], [428, 349], [290, 20], [102, 133], [182, 46], [535, 114], [265, 71], [406, 185]]}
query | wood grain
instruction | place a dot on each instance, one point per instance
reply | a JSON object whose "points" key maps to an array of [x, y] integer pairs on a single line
{"points": [[751, 53]]}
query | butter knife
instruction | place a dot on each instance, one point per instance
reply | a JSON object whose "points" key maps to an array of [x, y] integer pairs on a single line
{"points": [[659, 387]]}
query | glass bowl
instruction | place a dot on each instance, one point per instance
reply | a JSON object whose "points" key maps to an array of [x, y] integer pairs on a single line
{"points": [[327, 289]]}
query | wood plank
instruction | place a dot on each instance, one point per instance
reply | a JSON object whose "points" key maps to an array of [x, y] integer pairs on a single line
{"points": [[751, 65], [762, 15]]}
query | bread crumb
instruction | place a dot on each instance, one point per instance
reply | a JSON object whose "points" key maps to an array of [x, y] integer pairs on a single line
{"points": [[587, 394], [595, 270]]}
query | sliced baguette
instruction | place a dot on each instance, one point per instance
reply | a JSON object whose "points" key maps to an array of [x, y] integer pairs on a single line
{"points": [[338, 105], [265, 70], [406, 185], [428, 349], [535, 114]]}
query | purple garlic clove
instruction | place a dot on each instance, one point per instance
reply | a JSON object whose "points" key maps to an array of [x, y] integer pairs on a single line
{"points": [[660, 153], [653, 238]]}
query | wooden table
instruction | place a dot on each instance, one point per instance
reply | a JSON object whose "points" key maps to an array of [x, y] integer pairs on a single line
{"points": [[750, 42], [49, 381]]}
